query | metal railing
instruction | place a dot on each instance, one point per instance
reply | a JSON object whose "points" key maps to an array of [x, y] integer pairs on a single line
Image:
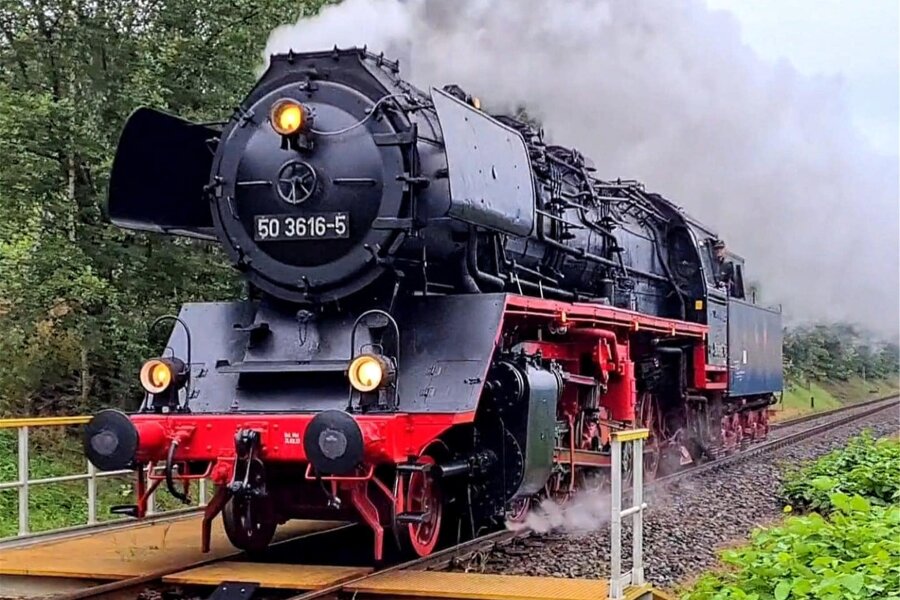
{"points": [[635, 577], [24, 482]]}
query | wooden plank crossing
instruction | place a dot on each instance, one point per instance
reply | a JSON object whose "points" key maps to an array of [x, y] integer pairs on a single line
{"points": [[269, 575], [477, 586], [170, 544]]}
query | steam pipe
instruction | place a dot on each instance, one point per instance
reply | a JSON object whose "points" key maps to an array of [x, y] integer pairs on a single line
{"points": [[452, 469], [465, 278], [598, 259], [485, 279], [671, 278], [170, 465], [603, 334]]}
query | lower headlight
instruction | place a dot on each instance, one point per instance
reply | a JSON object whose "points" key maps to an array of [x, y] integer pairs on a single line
{"points": [[368, 372], [159, 374]]}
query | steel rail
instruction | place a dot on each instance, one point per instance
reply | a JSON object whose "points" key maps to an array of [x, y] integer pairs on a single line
{"points": [[774, 444], [827, 413], [120, 588], [439, 559]]}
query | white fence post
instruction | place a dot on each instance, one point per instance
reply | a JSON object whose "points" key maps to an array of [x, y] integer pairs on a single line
{"points": [[23, 480], [617, 581], [615, 555], [92, 493], [637, 534]]}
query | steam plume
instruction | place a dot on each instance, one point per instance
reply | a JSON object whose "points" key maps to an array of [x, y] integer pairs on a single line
{"points": [[666, 93], [587, 511]]}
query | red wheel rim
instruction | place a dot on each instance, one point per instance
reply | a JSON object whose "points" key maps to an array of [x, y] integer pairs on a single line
{"points": [[649, 418], [517, 509], [423, 496]]}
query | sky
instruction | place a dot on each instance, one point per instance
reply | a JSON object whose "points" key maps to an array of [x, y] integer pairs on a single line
{"points": [[774, 122], [854, 40]]}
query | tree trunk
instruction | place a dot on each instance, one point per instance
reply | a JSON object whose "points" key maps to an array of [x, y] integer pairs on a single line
{"points": [[85, 375], [73, 213]]}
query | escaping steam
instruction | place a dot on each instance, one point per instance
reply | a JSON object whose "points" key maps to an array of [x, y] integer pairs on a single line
{"points": [[665, 92], [588, 511]]}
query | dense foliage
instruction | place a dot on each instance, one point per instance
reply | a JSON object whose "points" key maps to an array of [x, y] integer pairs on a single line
{"points": [[837, 352], [853, 554], [866, 467], [76, 295]]}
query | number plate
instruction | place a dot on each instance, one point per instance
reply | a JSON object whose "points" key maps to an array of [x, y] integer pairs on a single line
{"points": [[319, 226]]}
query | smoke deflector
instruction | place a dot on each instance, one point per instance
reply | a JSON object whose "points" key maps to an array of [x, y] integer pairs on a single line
{"points": [[161, 167]]}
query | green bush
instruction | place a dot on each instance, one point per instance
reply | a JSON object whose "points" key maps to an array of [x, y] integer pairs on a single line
{"points": [[865, 467], [852, 554]]}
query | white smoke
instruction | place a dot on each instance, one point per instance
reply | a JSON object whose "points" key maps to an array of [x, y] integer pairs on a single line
{"points": [[586, 512], [665, 92]]}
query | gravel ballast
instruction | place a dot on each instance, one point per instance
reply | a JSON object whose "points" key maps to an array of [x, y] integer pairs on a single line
{"points": [[686, 524]]}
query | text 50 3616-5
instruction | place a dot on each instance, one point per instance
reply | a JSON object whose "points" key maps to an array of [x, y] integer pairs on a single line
{"points": [[320, 226]]}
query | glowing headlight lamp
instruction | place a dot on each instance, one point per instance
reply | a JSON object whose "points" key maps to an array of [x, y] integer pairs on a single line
{"points": [[368, 372], [161, 374], [288, 117]]}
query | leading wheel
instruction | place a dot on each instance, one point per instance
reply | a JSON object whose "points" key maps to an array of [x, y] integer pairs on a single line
{"points": [[249, 523], [423, 497]]}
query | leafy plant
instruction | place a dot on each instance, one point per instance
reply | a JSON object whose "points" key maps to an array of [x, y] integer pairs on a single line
{"points": [[865, 467], [852, 554]]}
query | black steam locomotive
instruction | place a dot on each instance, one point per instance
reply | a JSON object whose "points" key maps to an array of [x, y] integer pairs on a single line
{"points": [[446, 315]]}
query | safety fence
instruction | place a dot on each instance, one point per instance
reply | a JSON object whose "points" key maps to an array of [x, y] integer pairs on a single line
{"points": [[24, 483]]}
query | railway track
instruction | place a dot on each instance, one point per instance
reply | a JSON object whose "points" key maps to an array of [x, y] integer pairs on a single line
{"points": [[462, 556], [857, 411], [828, 413]]}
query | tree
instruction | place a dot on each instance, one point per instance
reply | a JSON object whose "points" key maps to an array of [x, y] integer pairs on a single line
{"points": [[76, 295], [837, 351]]}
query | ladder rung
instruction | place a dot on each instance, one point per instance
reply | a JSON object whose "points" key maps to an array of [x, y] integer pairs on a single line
{"points": [[633, 509]]}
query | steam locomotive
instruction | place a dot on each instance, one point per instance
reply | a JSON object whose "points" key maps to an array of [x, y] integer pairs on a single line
{"points": [[446, 316]]}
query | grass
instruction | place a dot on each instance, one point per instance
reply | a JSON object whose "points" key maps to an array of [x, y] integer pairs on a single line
{"points": [[55, 452], [856, 389], [829, 395]]}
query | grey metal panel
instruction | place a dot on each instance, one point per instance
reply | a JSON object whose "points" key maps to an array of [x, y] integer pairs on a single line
{"points": [[489, 169], [754, 349], [717, 319], [543, 388], [293, 369], [213, 338], [219, 350], [446, 345]]}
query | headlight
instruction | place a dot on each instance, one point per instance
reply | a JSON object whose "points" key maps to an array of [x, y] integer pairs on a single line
{"points": [[159, 374], [368, 372], [287, 117]]}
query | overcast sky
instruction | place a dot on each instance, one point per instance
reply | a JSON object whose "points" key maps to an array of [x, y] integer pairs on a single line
{"points": [[856, 40]]}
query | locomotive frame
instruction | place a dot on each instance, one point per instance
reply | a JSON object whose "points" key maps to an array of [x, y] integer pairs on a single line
{"points": [[506, 308]]}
